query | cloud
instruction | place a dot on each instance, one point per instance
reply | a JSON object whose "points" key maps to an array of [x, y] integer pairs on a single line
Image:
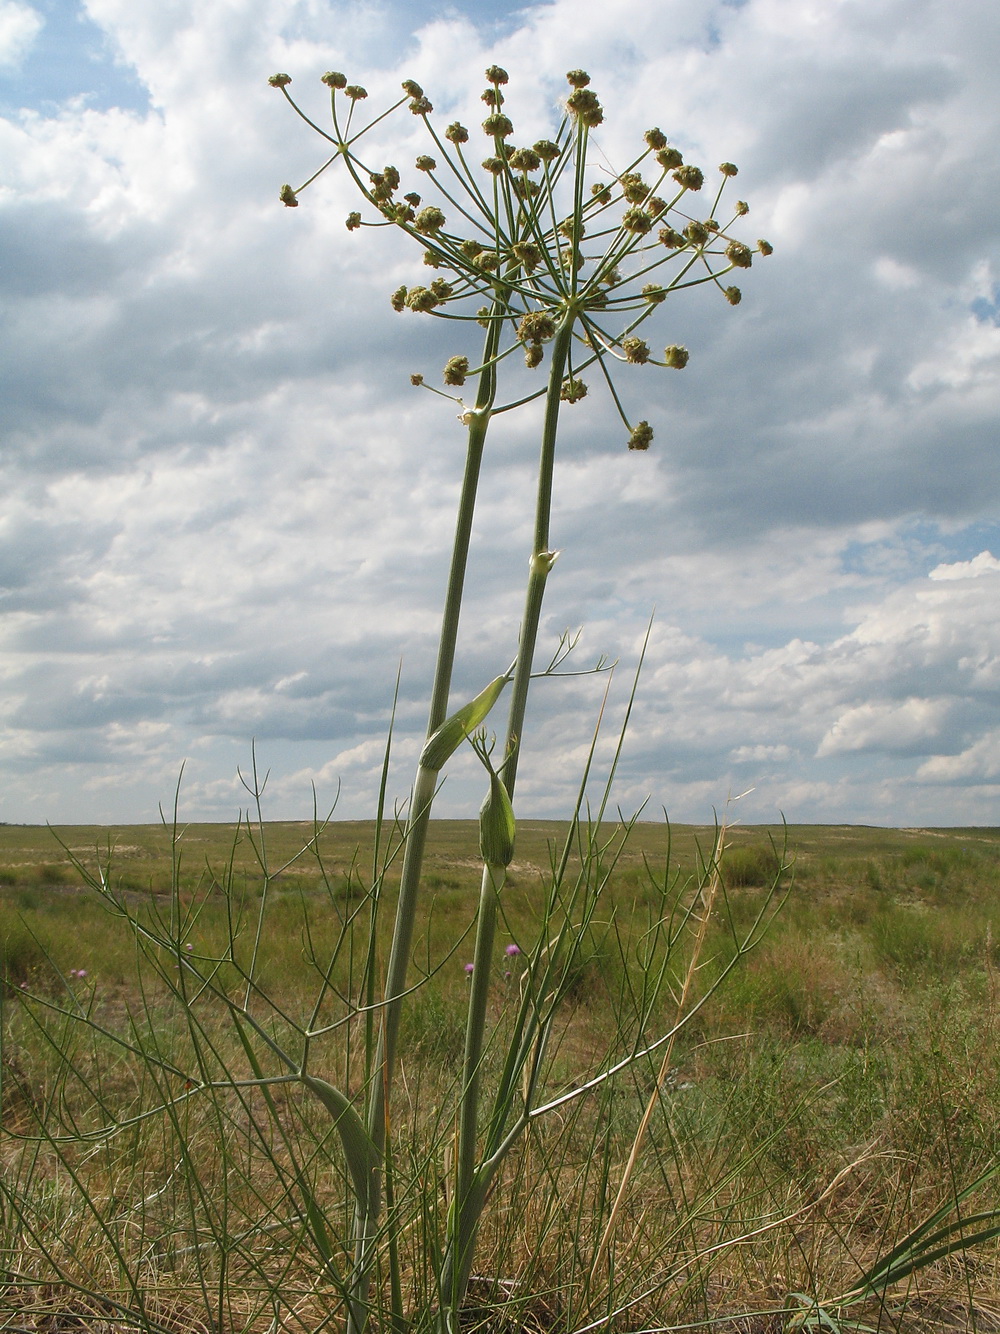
{"points": [[228, 513], [19, 26]]}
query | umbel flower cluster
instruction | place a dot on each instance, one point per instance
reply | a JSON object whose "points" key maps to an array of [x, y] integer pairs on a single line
{"points": [[535, 236]]}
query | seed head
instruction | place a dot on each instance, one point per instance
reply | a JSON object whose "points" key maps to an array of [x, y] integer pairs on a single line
{"points": [[529, 255], [696, 233], [656, 206], [585, 107], [398, 300], [691, 178], [655, 138], [470, 249], [676, 357], [496, 75], [668, 158], [636, 351], [280, 80], [493, 97], [421, 106], [416, 380], [412, 198], [525, 159], [494, 165], [742, 208], [498, 125], [456, 369], [578, 78], [425, 163], [420, 299], [547, 150], [441, 289], [654, 293], [355, 92], [483, 317], [334, 80], [457, 133], [488, 260], [353, 222], [601, 193], [411, 88], [633, 187], [765, 247], [641, 436], [728, 169], [670, 238], [637, 221], [733, 295], [429, 220], [536, 326], [739, 255], [287, 196], [533, 355], [572, 391]]}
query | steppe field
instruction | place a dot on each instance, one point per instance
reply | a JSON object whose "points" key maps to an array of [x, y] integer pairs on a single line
{"points": [[840, 1086]]}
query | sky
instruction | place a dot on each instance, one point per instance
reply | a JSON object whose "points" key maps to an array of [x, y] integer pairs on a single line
{"points": [[226, 513]]}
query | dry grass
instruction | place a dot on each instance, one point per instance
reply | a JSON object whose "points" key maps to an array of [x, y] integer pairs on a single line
{"points": [[842, 1085]]}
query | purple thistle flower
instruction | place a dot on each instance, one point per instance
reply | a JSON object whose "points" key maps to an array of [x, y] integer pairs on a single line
{"points": [[469, 967], [511, 950]]}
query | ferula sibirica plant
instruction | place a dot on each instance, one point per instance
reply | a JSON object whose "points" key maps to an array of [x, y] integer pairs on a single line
{"points": [[565, 265]]}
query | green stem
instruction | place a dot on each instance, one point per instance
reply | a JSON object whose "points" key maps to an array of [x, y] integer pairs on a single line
{"points": [[464, 1222], [424, 787]]}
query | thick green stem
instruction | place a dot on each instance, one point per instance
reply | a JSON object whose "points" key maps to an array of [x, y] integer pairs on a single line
{"points": [[469, 1201], [424, 787]]}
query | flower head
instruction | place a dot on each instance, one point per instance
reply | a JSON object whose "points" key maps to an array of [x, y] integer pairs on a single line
{"points": [[334, 80], [512, 950], [429, 220], [498, 125], [456, 369], [585, 107], [641, 436], [572, 391], [739, 255], [676, 357], [691, 178], [636, 350]]}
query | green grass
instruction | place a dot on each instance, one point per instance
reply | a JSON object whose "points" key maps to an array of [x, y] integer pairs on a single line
{"points": [[863, 1030]]}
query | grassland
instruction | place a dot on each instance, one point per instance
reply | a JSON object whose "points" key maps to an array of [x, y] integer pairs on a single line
{"points": [[843, 1082]]}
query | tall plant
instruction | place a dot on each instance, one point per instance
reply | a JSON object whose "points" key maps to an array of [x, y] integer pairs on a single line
{"points": [[563, 264], [564, 261]]}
